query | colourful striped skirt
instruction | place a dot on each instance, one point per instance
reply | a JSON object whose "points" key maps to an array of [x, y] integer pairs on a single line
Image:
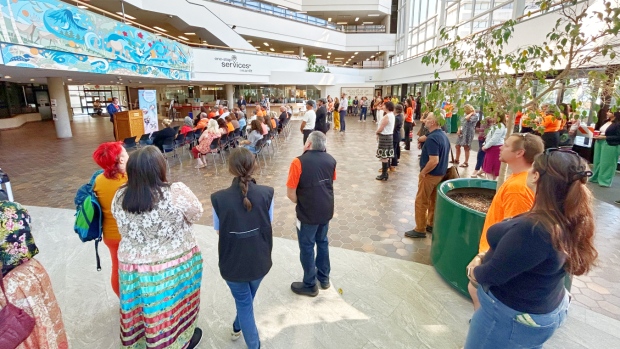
{"points": [[160, 301]]}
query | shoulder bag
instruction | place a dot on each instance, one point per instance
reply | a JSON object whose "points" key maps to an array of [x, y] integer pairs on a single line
{"points": [[15, 324]]}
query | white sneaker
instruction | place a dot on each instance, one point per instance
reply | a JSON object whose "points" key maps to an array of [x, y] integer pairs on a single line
{"points": [[359, 120], [235, 335], [364, 120]]}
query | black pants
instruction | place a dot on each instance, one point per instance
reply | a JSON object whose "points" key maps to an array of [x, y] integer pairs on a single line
{"points": [[306, 134], [408, 128], [551, 139], [374, 115], [396, 151]]}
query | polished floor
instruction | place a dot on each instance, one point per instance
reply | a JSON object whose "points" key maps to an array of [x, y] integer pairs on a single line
{"points": [[375, 302], [371, 216]]}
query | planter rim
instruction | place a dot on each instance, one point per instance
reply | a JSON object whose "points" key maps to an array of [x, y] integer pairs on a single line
{"points": [[446, 186]]}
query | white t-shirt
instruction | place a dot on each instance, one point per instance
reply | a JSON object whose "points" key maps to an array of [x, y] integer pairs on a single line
{"points": [[224, 115], [344, 104], [389, 128], [310, 119], [604, 127]]}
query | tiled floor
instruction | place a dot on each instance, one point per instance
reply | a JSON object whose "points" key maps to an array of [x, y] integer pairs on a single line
{"points": [[375, 302], [371, 216]]}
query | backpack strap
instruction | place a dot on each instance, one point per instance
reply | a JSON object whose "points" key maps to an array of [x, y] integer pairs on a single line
{"points": [[97, 254], [94, 177]]}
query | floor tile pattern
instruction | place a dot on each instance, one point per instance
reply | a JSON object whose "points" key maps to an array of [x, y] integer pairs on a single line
{"points": [[371, 216]]}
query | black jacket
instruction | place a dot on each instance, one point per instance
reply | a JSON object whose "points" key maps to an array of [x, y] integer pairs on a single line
{"points": [[321, 119], [315, 191], [612, 134]]}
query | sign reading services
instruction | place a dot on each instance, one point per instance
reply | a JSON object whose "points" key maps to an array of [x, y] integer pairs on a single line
{"points": [[233, 63]]}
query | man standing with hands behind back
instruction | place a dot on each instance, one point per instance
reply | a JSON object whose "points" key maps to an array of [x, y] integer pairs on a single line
{"points": [[311, 186]]}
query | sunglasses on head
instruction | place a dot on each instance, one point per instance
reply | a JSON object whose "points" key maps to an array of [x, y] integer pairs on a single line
{"points": [[549, 151]]}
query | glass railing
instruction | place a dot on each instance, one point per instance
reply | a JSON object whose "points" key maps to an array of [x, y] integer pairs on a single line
{"points": [[302, 17]]}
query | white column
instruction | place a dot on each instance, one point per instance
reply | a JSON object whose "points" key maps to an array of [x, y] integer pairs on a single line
{"points": [[442, 21], [301, 51], [517, 8], [230, 95], [57, 91]]}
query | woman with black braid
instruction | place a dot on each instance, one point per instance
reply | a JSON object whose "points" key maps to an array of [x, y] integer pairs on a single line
{"points": [[242, 216]]}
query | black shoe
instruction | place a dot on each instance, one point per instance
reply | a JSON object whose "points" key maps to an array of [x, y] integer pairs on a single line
{"points": [[301, 289], [325, 285], [384, 172], [414, 234], [429, 229], [196, 338], [617, 202]]}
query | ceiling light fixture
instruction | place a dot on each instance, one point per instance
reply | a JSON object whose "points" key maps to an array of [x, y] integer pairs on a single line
{"points": [[83, 7], [7, 77], [356, 52], [266, 44], [182, 37], [31, 79], [288, 51], [374, 15], [329, 19], [357, 19], [352, 56], [256, 46], [189, 33], [249, 40], [160, 29], [338, 58], [271, 49], [367, 22], [125, 15], [69, 79], [341, 23], [318, 55]]}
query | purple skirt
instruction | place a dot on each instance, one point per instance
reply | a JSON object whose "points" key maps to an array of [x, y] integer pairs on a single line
{"points": [[491, 163]]}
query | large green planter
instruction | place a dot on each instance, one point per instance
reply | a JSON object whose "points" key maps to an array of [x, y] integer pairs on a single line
{"points": [[456, 232]]}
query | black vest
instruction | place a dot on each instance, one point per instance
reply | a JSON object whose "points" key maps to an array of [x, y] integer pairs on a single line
{"points": [[315, 191], [245, 240]]}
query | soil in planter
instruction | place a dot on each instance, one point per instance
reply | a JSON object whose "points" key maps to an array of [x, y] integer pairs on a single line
{"points": [[478, 199]]}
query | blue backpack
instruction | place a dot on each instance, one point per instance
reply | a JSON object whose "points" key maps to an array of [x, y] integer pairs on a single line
{"points": [[88, 215]]}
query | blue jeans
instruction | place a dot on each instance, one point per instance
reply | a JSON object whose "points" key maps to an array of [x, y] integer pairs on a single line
{"points": [[343, 114], [495, 325], [480, 158], [243, 293], [308, 236], [363, 113]]}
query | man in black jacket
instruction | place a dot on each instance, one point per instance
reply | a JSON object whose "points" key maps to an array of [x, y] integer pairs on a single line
{"points": [[321, 116]]}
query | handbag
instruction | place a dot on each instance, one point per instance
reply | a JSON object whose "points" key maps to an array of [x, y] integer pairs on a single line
{"points": [[15, 324], [453, 171]]}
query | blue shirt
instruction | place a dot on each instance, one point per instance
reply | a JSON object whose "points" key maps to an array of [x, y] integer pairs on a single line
{"points": [[437, 144], [112, 109], [216, 219]]}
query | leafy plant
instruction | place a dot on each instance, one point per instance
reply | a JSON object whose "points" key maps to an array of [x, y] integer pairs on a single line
{"points": [[314, 68]]}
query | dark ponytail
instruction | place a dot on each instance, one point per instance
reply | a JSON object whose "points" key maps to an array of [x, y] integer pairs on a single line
{"points": [[241, 164]]}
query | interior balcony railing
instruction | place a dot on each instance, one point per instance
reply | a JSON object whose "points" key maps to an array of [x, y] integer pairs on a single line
{"points": [[275, 10]]}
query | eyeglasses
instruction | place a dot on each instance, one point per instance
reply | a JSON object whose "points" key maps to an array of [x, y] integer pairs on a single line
{"points": [[550, 151]]}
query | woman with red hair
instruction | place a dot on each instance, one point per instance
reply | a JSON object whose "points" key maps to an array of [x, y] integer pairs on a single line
{"points": [[112, 158]]}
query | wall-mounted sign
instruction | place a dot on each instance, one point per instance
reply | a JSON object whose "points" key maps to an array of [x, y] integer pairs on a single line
{"points": [[233, 64], [54, 116], [360, 92], [53, 102], [148, 104]]}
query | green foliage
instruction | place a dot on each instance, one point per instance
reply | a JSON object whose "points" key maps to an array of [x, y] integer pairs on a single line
{"points": [[314, 68]]}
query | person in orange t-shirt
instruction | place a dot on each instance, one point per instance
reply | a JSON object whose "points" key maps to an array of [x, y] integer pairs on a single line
{"points": [[552, 125], [112, 158], [513, 197], [409, 123]]}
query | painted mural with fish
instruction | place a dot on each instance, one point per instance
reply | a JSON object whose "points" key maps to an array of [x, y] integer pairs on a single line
{"points": [[51, 34]]}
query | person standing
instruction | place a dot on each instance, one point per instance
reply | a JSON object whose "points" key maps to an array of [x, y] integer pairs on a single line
{"points": [[242, 217], [350, 105], [310, 185], [481, 128], [308, 121], [418, 106], [513, 197], [112, 109], [343, 112], [241, 102], [379, 108], [112, 158], [364, 110], [385, 138], [607, 151], [158, 256], [336, 114], [492, 145], [465, 133], [409, 124], [522, 294], [433, 167], [398, 126], [356, 104], [449, 108], [321, 116]]}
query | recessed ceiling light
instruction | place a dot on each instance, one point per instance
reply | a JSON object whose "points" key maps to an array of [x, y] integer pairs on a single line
{"points": [[82, 6], [271, 49], [189, 33], [341, 23], [31, 79], [378, 53], [139, 82], [69, 79], [356, 52], [182, 37], [160, 29], [317, 55], [126, 15], [357, 19], [374, 15], [338, 58], [249, 40], [288, 51], [256, 46], [265, 43], [367, 22], [352, 56], [329, 19], [372, 56], [7, 77]]}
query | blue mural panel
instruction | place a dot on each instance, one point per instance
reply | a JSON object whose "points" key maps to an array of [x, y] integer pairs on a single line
{"points": [[54, 35]]}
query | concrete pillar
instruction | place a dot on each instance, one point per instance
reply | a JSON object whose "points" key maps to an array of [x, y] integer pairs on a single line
{"points": [[301, 51], [58, 95], [230, 95]]}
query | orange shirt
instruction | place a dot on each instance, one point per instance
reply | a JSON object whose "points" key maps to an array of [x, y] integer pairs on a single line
{"points": [[105, 190], [448, 108], [202, 124], [511, 199], [409, 117], [294, 173], [552, 124], [273, 124], [230, 126], [211, 115], [260, 113], [518, 117]]}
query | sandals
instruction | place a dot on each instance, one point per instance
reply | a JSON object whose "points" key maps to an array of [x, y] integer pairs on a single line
{"points": [[464, 164], [456, 162]]}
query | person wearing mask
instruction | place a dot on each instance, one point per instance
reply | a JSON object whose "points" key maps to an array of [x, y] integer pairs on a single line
{"points": [[521, 278], [396, 137], [607, 151], [465, 133], [163, 134], [321, 116], [204, 142], [308, 121], [255, 134], [158, 256], [310, 186], [513, 197], [336, 114], [188, 125], [433, 167], [409, 124], [492, 145], [343, 112], [242, 217], [112, 158], [26, 284], [385, 149], [112, 109]]}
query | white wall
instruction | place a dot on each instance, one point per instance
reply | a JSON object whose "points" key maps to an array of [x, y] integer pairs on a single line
{"points": [[377, 6], [18, 120]]}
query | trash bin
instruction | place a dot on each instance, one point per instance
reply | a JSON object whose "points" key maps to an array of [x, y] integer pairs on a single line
{"points": [[456, 232], [6, 183]]}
